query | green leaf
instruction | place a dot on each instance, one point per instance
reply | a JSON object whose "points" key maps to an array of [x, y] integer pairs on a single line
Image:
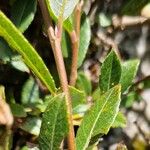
{"points": [[120, 121], [132, 7], [43, 104], [11, 2], [25, 148], [92, 147], [83, 83], [110, 72], [121, 146], [67, 24], [54, 124], [2, 92], [30, 92], [6, 53], [66, 45], [20, 65], [145, 84], [62, 7], [6, 139], [129, 70], [85, 37], [18, 110], [78, 97], [104, 20], [29, 148], [18, 42], [81, 109], [8, 56], [32, 125], [23, 12], [130, 98], [96, 94], [99, 118]]}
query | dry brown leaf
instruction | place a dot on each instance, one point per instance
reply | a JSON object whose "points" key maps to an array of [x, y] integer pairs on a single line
{"points": [[6, 117]]}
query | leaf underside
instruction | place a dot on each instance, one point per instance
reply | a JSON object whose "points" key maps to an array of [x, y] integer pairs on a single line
{"points": [[62, 7]]}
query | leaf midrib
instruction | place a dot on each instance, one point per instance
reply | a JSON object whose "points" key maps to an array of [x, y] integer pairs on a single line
{"points": [[54, 126], [62, 8], [109, 83], [94, 124]]}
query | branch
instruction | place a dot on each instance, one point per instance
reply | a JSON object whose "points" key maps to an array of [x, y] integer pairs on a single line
{"points": [[55, 40], [78, 17], [141, 80], [74, 64], [125, 21], [75, 39], [109, 42]]}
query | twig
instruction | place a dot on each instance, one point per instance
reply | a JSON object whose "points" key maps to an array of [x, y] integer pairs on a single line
{"points": [[93, 8], [141, 113], [75, 38], [145, 137], [78, 17], [109, 42], [125, 21], [141, 80], [74, 64], [55, 40]]}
